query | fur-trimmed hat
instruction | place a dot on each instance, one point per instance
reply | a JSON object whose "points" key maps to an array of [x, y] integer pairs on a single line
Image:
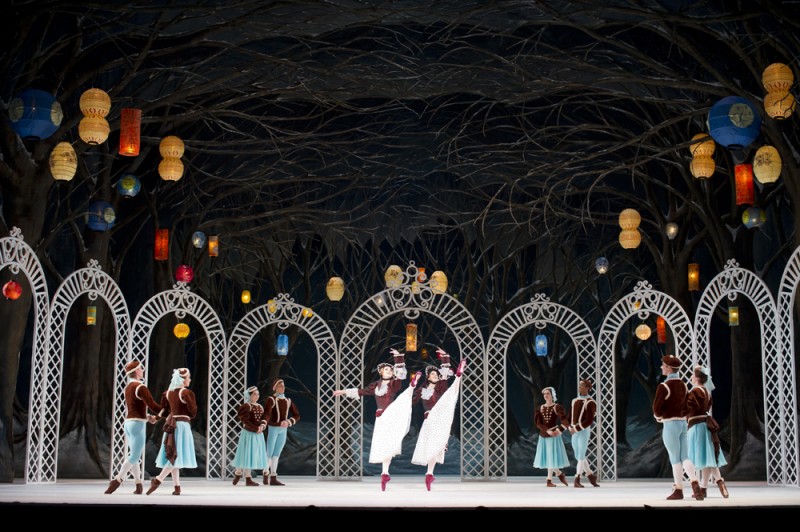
{"points": [[275, 384], [251, 389], [184, 372], [671, 361], [131, 366], [587, 383]]}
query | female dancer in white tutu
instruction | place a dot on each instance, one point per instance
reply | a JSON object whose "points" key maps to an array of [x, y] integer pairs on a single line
{"points": [[551, 454], [439, 400], [251, 451]]}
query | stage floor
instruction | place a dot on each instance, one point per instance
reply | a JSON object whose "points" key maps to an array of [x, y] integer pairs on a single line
{"points": [[402, 493]]}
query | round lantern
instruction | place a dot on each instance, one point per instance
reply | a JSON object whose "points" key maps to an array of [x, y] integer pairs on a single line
{"points": [[12, 290], [101, 216], [63, 162], [35, 114], [272, 307], [702, 146], [93, 130], [181, 331], [777, 77], [601, 265], [95, 102], [198, 239], [184, 273], [754, 217], [629, 219], [439, 282], [643, 332], [767, 164], [672, 230], [734, 122], [630, 238], [245, 296], [335, 288], [171, 146], [128, 185], [307, 312], [170, 169], [393, 276], [702, 167], [779, 105]]}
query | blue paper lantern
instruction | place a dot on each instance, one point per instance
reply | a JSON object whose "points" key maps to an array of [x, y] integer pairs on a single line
{"points": [[601, 265], [128, 185], [283, 345], [35, 114], [734, 122], [101, 216], [541, 345], [198, 239], [754, 217]]}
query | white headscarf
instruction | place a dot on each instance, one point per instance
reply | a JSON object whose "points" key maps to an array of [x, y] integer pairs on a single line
{"points": [[552, 392]]}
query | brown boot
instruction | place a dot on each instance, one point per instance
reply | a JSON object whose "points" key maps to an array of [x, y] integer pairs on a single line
{"points": [[177, 490], [577, 482], [723, 489], [266, 479], [249, 482], [273, 481], [112, 486], [138, 490], [593, 479], [236, 478], [676, 495], [154, 484], [563, 478], [550, 484], [697, 491]]}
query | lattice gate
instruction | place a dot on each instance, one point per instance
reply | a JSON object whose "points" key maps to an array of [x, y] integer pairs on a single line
{"points": [[784, 364]]}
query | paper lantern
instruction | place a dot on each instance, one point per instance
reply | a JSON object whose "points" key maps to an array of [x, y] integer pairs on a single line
{"points": [[128, 186], [393, 276], [95, 102], [754, 217], [34, 114], [694, 277], [171, 146], [184, 273], [101, 216], [702, 167], [93, 130], [181, 331], [129, 132], [541, 345], [672, 230], [213, 246], [198, 239], [411, 337], [415, 287], [307, 312], [272, 307], [767, 164], [779, 105], [643, 332], [245, 296], [91, 315], [702, 146], [630, 238], [161, 246], [601, 265], [170, 169], [63, 162], [421, 277], [629, 219], [733, 316], [777, 77], [335, 288], [378, 300], [439, 282], [282, 345], [745, 195], [734, 122], [661, 330], [12, 290]]}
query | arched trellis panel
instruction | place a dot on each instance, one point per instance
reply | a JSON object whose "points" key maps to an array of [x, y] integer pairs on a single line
{"points": [[731, 281], [539, 312], [180, 301], [93, 281], [42, 443], [283, 312], [410, 298], [641, 302], [785, 364]]}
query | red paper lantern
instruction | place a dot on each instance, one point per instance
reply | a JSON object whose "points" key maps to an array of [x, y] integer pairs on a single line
{"points": [[744, 184], [184, 273], [12, 290], [661, 330], [129, 132], [161, 248]]}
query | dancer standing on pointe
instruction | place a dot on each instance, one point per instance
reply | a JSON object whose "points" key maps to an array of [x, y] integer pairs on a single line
{"points": [[582, 413], [393, 417], [251, 451], [177, 445], [551, 454], [137, 400], [439, 400], [281, 413]]}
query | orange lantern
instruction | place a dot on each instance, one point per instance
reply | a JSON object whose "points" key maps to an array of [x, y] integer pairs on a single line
{"points": [[661, 330], [411, 337], [694, 277], [421, 277], [129, 132], [161, 247], [213, 246], [744, 184], [12, 290], [181, 331]]}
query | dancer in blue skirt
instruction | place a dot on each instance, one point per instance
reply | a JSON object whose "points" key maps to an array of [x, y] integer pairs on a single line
{"points": [[251, 451], [551, 454]]}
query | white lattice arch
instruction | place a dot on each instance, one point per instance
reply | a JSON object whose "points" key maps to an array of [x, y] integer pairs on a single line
{"points": [[785, 364], [539, 312], [283, 312], [180, 301], [410, 298], [42, 444], [95, 282], [641, 302]]}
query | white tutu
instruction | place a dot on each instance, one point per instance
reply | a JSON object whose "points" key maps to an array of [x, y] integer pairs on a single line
{"points": [[435, 431], [390, 428]]}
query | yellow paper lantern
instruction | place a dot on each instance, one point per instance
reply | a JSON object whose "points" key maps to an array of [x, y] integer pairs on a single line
{"points": [[171, 146], [777, 77], [307, 312], [181, 331], [694, 277], [779, 105], [63, 162], [702, 145], [643, 332], [335, 288], [411, 337], [170, 169], [630, 238], [767, 164], [245, 296], [272, 307], [393, 276], [213, 246], [439, 282], [93, 130], [91, 315], [629, 219], [702, 167], [733, 316], [95, 102]]}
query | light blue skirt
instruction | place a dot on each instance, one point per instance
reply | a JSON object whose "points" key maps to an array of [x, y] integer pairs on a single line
{"points": [[184, 443], [551, 453], [701, 448], [251, 452]]}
